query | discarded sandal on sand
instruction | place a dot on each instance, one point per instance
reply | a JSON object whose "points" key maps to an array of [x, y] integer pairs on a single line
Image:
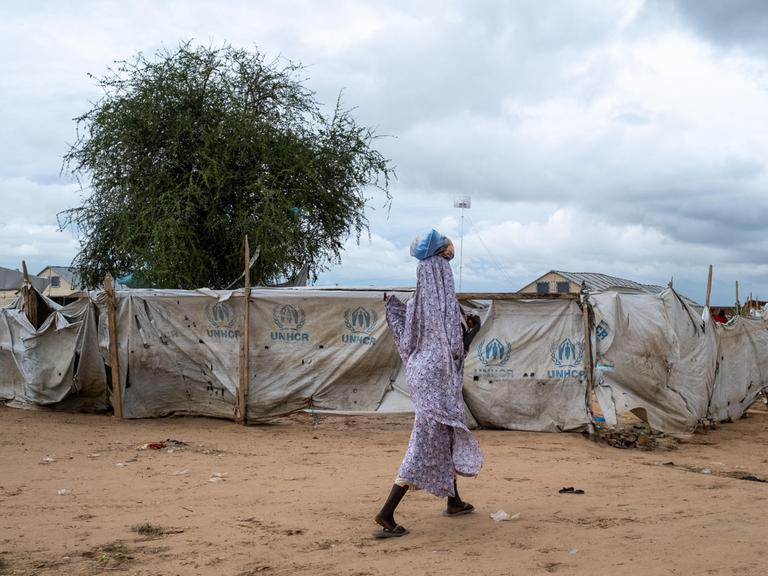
{"points": [[466, 509], [395, 532], [571, 490]]}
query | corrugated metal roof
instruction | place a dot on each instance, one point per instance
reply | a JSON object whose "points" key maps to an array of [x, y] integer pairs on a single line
{"points": [[14, 280], [596, 281]]}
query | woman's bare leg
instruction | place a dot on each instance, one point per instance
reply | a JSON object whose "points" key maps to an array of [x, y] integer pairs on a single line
{"points": [[455, 503], [386, 516]]}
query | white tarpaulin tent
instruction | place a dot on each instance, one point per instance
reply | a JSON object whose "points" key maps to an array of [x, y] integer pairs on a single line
{"points": [[331, 350], [179, 353], [525, 369], [655, 356], [742, 367], [167, 362], [320, 349], [57, 364]]}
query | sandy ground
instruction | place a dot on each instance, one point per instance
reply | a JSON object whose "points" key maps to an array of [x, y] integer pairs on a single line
{"points": [[298, 496]]}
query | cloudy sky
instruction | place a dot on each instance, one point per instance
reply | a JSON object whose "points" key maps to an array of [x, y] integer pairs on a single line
{"points": [[623, 137]]}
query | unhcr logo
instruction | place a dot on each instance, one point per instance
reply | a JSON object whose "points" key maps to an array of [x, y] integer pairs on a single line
{"points": [[289, 317], [567, 354], [289, 320], [360, 322], [494, 353], [568, 358], [220, 315], [222, 319]]}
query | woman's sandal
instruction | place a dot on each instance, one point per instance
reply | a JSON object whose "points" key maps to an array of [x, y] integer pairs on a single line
{"points": [[571, 490], [466, 509], [395, 532]]}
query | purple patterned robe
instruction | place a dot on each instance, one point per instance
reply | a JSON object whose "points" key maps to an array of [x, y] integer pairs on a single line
{"points": [[427, 332]]}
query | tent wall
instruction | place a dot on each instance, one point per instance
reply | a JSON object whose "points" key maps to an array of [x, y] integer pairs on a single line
{"points": [[172, 358], [331, 350], [655, 356], [525, 370], [179, 353], [326, 350], [742, 367], [57, 364], [13, 325]]}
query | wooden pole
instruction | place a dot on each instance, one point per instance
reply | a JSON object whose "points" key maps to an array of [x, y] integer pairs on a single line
{"points": [[28, 298], [117, 392], [25, 290], [738, 305], [709, 285], [588, 361], [241, 413]]}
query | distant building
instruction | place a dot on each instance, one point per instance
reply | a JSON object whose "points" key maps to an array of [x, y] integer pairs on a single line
{"points": [[63, 286], [752, 307], [561, 282], [11, 281], [749, 308]]}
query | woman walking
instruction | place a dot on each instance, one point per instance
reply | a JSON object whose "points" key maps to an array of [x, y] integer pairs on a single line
{"points": [[428, 335]]}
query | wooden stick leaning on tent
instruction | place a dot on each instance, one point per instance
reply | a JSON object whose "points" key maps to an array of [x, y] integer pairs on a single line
{"points": [[241, 409], [588, 361], [709, 285], [28, 297], [117, 394]]}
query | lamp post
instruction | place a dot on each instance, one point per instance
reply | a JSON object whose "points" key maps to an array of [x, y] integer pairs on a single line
{"points": [[462, 202]]}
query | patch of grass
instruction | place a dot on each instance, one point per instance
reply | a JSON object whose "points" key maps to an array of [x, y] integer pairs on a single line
{"points": [[147, 529], [110, 555]]}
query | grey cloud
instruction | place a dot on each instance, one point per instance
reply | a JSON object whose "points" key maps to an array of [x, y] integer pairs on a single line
{"points": [[462, 59], [459, 85], [729, 23], [704, 216], [741, 169]]}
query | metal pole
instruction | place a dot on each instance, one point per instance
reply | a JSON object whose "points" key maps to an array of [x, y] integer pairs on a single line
{"points": [[461, 249], [462, 202]]}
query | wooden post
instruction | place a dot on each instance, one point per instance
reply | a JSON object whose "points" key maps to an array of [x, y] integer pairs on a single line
{"points": [[117, 392], [28, 297], [588, 361], [709, 285], [738, 305], [241, 412]]}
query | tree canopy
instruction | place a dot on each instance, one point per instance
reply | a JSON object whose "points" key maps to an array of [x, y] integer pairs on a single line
{"points": [[191, 149]]}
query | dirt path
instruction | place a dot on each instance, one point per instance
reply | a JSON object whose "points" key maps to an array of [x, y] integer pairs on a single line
{"points": [[298, 496]]}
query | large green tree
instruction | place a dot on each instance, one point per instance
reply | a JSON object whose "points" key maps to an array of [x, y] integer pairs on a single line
{"points": [[191, 149]]}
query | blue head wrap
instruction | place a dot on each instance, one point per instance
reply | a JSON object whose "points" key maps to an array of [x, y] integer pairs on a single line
{"points": [[428, 244]]}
